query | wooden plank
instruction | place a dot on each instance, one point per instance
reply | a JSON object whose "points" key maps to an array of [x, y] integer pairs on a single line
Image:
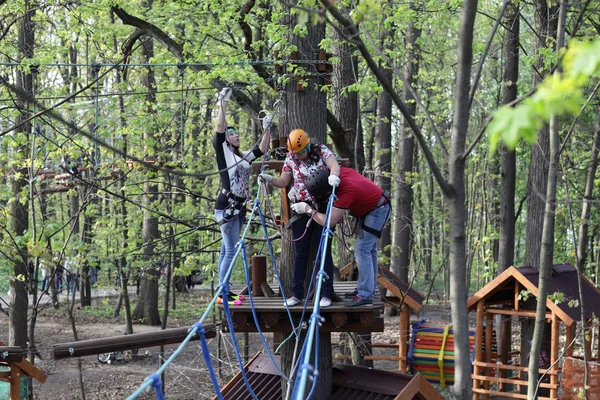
{"points": [[126, 342], [508, 394], [489, 326], [478, 342], [15, 382], [410, 391], [513, 381], [284, 326], [524, 313], [404, 338], [490, 288], [11, 354], [427, 390], [511, 367], [554, 344]]}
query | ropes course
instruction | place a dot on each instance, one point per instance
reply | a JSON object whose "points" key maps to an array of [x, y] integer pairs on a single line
{"points": [[306, 370]]}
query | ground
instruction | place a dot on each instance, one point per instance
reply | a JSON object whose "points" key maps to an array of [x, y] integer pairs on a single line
{"points": [[186, 378]]}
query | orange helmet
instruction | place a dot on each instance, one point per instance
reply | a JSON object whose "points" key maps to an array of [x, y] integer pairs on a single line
{"points": [[297, 140]]}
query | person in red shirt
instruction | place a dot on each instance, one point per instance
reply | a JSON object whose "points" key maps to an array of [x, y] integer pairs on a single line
{"points": [[365, 201]]}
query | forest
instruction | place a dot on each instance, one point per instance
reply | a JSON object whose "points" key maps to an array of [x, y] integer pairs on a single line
{"points": [[107, 114]]}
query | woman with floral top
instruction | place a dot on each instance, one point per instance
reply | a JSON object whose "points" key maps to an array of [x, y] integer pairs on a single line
{"points": [[304, 158]]}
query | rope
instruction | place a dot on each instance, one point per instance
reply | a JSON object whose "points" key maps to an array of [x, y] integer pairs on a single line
{"points": [[260, 333], [233, 338], [315, 320], [206, 354]]}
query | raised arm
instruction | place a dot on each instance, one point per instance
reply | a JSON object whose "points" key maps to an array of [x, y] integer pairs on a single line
{"points": [[224, 97]]}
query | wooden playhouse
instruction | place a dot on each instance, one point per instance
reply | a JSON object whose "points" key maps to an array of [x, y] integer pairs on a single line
{"points": [[501, 374]]}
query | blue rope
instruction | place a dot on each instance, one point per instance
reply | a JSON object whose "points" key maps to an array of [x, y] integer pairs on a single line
{"points": [[235, 347], [260, 333], [157, 385], [315, 318], [271, 253], [206, 354]]}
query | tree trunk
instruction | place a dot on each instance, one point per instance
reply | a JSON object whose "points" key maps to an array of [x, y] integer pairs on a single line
{"points": [[582, 243], [19, 221], [547, 248], [403, 195], [345, 104], [546, 18], [506, 245], [306, 109], [456, 205], [147, 305]]}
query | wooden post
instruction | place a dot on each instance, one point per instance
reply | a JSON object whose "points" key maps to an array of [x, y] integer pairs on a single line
{"points": [[569, 339], [517, 290], [588, 338], [506, 347], [15, 382], [554, 339], [404, 331], [489, 326], [259, 274], [478, 343]]}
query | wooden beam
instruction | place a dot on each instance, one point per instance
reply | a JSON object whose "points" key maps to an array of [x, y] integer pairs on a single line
{"points": [[554, 343], [478, 343], [529, 314], [90, 347], [512, 367], [10, 354], [570, 335], [404, 337], [489, 326], [15, 382], [507, 394]]}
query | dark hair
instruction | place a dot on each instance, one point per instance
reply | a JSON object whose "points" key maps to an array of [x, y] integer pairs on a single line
{"points": [[234, 149], [318, 185]]}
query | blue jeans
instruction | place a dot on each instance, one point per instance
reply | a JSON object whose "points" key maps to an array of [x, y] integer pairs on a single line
{"points": [[301, 258], [365, 251], [231, 235]]}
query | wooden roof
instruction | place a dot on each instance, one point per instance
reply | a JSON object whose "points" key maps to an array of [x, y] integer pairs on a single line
{"points": [[563, 280], [403, 291], [348, 382]]}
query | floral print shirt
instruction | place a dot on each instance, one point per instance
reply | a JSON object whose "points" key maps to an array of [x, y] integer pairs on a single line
{"points": [[301, 169]]}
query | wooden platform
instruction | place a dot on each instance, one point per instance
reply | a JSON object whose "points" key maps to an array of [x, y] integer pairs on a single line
{"points": [[273, 317]]}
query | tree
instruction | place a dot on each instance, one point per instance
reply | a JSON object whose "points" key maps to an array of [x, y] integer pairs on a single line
{"points": [[453, 187], [147, 306], [19, 299]]}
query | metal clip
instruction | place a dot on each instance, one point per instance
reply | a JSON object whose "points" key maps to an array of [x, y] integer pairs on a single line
{"points": [[71, 351], [5, 355]]}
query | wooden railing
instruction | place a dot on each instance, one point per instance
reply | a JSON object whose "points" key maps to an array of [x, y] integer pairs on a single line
{"points": [[510, 381]]}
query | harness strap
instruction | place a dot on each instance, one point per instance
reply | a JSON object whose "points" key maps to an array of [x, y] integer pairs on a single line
{"points": [[233, 196]]}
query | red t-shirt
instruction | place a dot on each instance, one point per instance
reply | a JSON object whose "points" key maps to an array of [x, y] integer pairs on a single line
{"points": [[356, 193]]}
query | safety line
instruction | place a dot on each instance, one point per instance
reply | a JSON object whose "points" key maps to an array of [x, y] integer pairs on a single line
{"points": [[315, 319]]}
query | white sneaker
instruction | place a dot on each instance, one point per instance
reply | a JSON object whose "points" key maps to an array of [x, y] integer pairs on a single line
{"points": [[291, 302], [325, 302]]}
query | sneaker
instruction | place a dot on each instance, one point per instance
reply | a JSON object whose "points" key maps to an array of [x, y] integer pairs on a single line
{"points": [[325, 302], [358, 302], [230, 299], [291, 302], [351, 294]]}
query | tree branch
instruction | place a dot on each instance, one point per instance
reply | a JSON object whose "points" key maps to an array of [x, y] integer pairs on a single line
{"points": [[251, 107], [351, 29]]}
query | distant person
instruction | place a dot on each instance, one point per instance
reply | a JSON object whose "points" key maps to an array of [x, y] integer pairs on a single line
{"points": [[45, 275]]}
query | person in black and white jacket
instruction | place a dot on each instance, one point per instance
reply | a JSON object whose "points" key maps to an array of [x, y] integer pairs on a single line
{"points": [[234, 170]]}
